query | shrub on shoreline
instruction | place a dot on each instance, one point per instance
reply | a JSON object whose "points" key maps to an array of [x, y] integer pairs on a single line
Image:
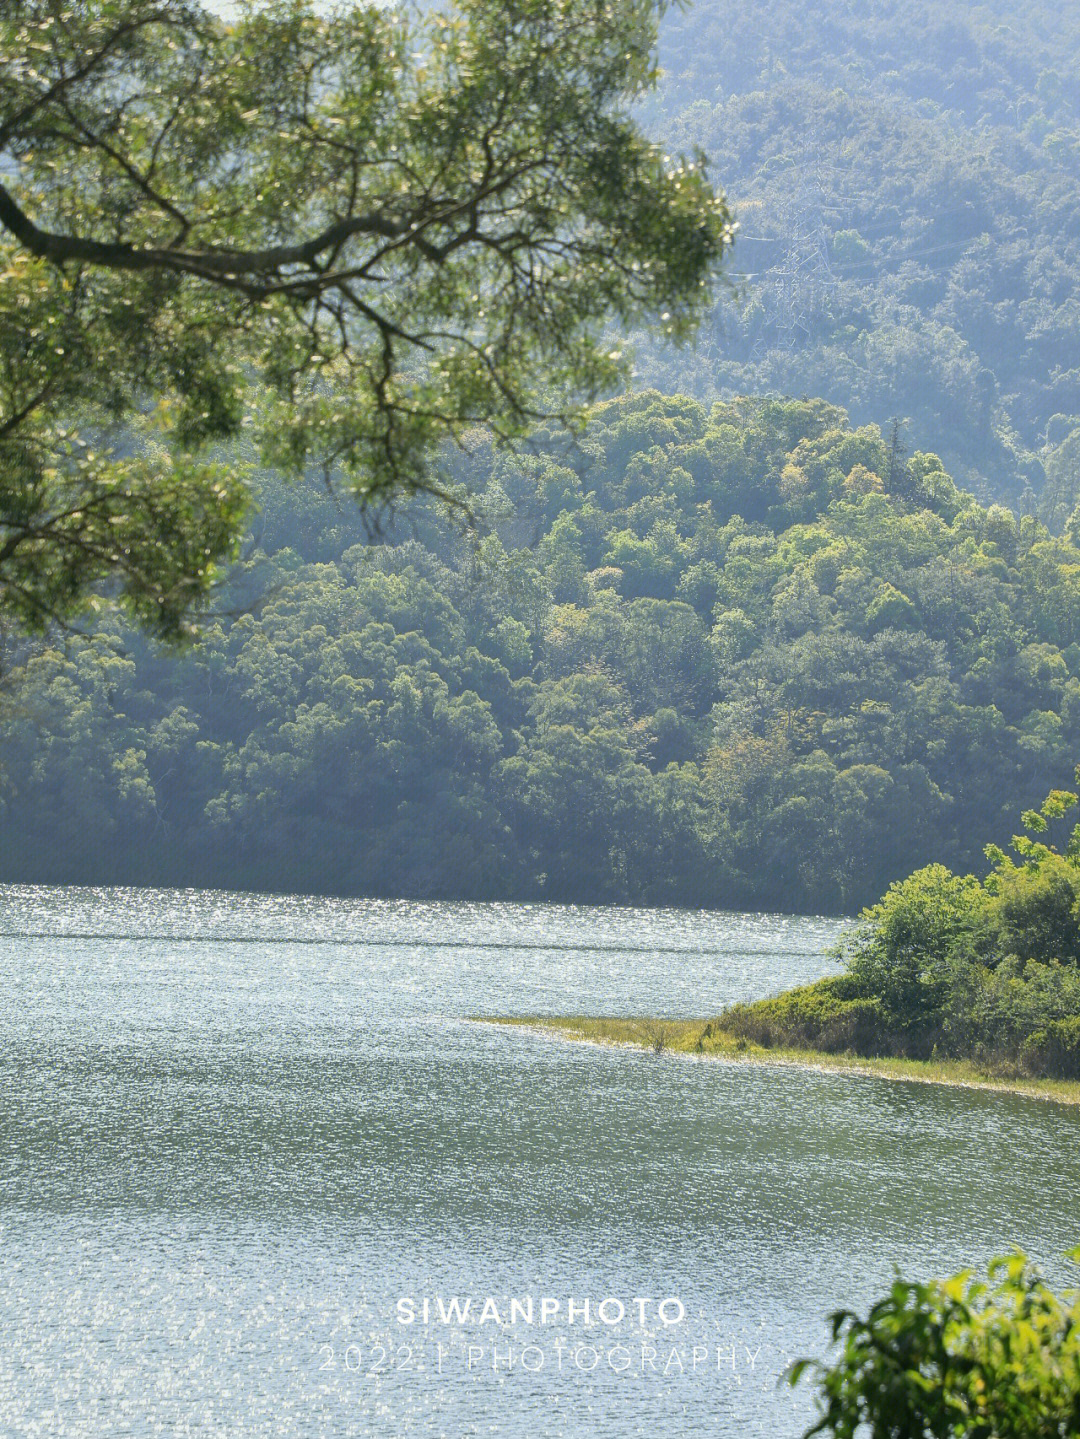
{"points": [[948, 966]]}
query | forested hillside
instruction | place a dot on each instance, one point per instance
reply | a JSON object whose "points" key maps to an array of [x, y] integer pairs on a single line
{"points": [[720, 650], [747, 655], [906, 180]]}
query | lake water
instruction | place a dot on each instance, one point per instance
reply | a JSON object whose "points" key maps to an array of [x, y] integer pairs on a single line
{"points": [[240, 1136]]}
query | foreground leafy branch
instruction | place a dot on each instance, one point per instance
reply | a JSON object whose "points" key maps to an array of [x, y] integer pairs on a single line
{"points": [[361, 233], [954, 1358]]}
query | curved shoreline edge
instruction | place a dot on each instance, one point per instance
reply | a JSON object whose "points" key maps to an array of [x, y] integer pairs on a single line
{"points": [[698, 1039]]}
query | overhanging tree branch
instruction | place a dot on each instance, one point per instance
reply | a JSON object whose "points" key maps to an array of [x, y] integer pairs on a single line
{"points": [[359, 234], [215, 263]]}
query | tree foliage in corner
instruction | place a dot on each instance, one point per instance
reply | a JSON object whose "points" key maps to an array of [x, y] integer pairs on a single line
{"points": [[362, 233], [954, 1358]]}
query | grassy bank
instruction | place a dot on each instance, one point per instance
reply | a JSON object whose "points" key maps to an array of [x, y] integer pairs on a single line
{"points": [[702, 1038]]}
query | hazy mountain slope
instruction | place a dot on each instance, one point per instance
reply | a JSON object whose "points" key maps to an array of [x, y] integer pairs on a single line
{"points": [[908, 182]]}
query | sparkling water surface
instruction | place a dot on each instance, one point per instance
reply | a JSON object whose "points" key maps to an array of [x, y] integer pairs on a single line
{"points": [[237, 1132]]}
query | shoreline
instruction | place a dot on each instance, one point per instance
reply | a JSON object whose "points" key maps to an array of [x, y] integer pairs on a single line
{"points": [[699, 1039]]}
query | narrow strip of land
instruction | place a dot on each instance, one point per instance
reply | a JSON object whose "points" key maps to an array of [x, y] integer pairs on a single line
{"points": [[702, 1038]]}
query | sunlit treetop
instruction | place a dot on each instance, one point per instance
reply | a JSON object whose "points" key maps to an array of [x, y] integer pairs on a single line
{"points": [[359, 231]]}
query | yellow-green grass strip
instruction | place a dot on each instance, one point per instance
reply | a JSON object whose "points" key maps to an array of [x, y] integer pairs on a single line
{"points": [[703, 1039]]}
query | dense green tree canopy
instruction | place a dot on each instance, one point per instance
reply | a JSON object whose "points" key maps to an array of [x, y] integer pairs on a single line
{"points": [[699, 656], [359, 231]]}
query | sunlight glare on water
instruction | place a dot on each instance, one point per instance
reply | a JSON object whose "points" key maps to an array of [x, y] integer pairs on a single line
{"points": [[237, 1130]]}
